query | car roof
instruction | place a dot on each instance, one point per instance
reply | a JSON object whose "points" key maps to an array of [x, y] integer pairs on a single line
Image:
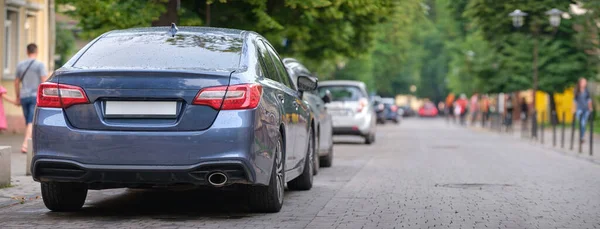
{"points": [[183, 29], [343, 83]]}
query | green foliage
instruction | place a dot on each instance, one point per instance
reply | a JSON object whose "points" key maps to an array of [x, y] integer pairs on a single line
{"points": [[560, 61], [97, 17], [314, 29], [65, 44]]}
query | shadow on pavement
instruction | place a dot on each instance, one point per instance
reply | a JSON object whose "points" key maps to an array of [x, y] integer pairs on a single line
{"points": [[166, 205]]}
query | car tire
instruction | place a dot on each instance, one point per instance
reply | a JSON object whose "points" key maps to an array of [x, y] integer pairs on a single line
{"points": [[305, 180], [64, 197], [269, 199], [327, 160], [370, 139], [316, 161]]}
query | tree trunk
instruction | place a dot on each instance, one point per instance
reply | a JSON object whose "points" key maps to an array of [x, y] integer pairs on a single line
{"points": [[207, 24], [553, 115], [169, 16]]}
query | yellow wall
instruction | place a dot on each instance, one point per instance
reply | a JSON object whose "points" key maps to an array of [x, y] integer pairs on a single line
{"points": [[564, 103]]}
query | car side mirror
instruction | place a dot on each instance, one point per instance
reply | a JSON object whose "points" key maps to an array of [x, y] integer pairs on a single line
{"points": [[327, 97], [307, 83]]}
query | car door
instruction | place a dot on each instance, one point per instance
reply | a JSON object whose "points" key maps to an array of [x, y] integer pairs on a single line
{"points": [[292, 104], [273, 84]]}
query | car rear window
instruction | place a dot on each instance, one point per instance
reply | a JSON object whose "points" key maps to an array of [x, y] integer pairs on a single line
{"points": [[190, 51], [342, 93]]}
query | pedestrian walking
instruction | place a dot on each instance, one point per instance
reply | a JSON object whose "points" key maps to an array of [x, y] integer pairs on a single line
{"points": [[524, 109], [485, 108], [509, 112], [4, 96], [462, 104], [30, 74], [583, 105], [450, 105], [474, 108]]}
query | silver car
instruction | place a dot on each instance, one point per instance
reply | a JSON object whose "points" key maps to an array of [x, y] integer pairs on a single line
{"points": [[350, 108], [324, 138]]}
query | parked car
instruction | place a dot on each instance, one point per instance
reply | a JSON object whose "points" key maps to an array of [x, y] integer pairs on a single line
{"points": [[379, 109], [324, 130], [407, 111], [391, 110], [161, 107], [428, 110], [350, 108]]}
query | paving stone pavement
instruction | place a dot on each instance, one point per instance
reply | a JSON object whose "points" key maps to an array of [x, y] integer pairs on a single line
{"points": [[422, 173]]}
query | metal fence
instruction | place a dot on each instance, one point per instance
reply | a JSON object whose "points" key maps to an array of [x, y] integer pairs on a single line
{"points": [[531, 128]]}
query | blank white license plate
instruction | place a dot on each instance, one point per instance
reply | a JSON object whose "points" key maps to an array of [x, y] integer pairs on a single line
{"points": [[141, 108], [340, 113]]}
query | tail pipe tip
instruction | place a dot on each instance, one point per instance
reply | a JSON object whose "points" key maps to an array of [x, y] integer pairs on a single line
{"points": [[217, 179]]}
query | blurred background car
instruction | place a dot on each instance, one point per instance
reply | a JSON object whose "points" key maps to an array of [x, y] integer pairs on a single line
{"points": [[350, 108], [390, 110], [323, 125], [407, 111], [379, 108], [428, 110]]}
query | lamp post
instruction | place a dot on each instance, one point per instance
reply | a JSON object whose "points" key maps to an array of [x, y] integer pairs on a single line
{"points": [[518, 19]]}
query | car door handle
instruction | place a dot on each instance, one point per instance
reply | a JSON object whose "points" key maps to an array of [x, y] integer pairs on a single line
{"points": [[281, 98]]}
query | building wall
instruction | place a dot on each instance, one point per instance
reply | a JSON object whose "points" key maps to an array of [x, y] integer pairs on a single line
{"points": [[28, 24]]}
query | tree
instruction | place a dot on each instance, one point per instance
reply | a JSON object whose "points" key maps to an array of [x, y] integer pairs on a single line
{"points": [[306, 29], [551, 55]]}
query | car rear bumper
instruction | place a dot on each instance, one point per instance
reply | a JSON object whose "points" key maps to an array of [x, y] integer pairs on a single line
{"points": [[119, 176], [152, 157], [361, 124]]}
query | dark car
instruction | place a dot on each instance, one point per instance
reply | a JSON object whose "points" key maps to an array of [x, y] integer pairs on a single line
{"points": [[158, 107], [391, 110], [324, 130], [407, 111], [379, 109]]}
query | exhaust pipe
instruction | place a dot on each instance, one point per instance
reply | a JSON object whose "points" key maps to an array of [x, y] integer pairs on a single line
{"points": [[217, 179]]}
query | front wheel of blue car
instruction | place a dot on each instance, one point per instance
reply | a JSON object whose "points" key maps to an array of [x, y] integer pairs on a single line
{"points": [[270, 198]]}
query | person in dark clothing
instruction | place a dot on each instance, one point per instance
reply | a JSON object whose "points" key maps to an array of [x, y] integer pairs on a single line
{"points": [[509, 112], [583, 106], [524, 109]]}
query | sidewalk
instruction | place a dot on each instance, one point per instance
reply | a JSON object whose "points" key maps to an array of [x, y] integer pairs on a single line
{"points": [[23, 187], [548, 140]]}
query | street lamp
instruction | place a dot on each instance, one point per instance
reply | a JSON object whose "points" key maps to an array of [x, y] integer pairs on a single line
{"points": [[555, 15], [413, 88], [518, 18]]}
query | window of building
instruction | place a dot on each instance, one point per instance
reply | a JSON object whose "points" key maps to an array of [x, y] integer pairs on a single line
{"points": [[11, 54]]}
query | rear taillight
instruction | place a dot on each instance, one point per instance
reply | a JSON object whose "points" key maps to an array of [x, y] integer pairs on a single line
{"points": [[237, 97], [362, 103], [60, 95], [394, 108]]}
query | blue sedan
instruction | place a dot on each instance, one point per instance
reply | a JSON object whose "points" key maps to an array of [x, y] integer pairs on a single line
{"points": [[167, 107]]}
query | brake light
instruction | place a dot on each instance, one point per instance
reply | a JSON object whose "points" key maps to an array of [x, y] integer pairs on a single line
{"points": [[60, 95], [394, 108], [237, 97], [362, 103]]}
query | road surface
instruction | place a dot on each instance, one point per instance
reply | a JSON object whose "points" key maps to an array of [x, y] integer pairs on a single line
{"points": [[422, 173]]}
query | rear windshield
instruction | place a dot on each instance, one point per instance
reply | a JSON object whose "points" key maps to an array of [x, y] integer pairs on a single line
{"points": [[190, 51], [342, 93]]}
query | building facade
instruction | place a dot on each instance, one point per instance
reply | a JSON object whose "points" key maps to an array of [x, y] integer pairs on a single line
{"points": [[25, 21]]}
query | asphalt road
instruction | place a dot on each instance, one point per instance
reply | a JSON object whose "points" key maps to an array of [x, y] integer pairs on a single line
{"points": [[419, 174]]}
